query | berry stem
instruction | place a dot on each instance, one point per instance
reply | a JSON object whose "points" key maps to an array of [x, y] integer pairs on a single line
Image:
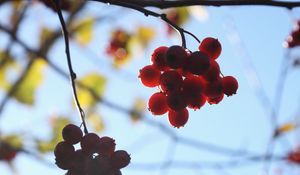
{"points": [[72, 74]]}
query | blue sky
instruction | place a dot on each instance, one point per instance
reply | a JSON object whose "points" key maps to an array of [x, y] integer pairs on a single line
{"points": [[248, 35]]}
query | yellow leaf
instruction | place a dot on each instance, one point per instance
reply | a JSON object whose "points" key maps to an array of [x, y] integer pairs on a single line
{"points": [[139, 106], [84, 30], [93, 81], [95, 121], [26, 89], [145, 34], [13, 140], [287, 127]]}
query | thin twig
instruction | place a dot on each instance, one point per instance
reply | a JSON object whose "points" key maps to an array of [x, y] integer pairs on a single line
{"points": [[72, 73]]}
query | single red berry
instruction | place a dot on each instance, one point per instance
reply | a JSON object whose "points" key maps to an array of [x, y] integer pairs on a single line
{"points": [[64, 149], [64, 163], [230, 85], [72, 134], [149, 76], [170, 81], [176, 56], [120, 159], [107, 146], [157, 104], [90, 143], [158, 58], [198, 63], [211, 46], [213, 72], [196, 101], [101, 164], [215, 100], [81, 161], [178, 118], [176, 100], [213, 89], [192, 85]]}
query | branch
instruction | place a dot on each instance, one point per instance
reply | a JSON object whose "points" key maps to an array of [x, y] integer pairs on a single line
{"points": [[72, 73], [183, 3]]}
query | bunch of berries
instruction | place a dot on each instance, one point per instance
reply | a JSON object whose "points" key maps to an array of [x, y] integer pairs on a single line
{"points": [[97, 156], [293, 39], [294, 156], [186, 79]]}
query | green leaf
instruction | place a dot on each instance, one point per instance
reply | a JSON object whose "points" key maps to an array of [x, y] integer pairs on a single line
{"points": [[25, 93], [93, 81], [84, 30]]}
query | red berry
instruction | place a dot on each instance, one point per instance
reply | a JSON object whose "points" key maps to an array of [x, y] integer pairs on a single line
{"points": [[170, 81], [72, 134], [196, 101], [213, 89], [211, 46], [64, 163], [192, 85], [81, 161], [158, 58], [157, 104], [213, 72], [100, 165], [178, 118], [120, 159], [215, 100], [90, 143], [230, 85], [64, 149], [198, 63], [176, 56], [176, 100], [149, 76], [107, 146]]}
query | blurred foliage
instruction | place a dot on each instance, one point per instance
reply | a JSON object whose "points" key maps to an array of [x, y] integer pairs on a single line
{"points": [[83, 30], [139, 106]]}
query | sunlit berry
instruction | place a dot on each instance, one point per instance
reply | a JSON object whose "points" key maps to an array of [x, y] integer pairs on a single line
{"points": [[211, 46], [230, 85], [72, 134], [196, 101], [170, 81], [192, 85], [198, 63], [157, 104], [178, 118], [175, 56], [120, 159], [158, 58], [149, 76]]}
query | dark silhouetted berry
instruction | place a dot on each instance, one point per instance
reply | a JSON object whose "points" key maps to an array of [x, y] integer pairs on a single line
{"points": [[176, 56], [90, 143], [198, 63], [170, 81], [176, 100], [120, 159], [107, 146], [72, 134]]}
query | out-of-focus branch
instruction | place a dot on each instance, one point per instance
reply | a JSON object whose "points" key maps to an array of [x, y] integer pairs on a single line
{"points": [[217, 3]]}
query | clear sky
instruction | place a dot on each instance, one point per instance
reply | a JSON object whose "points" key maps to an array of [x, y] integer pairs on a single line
{"points": [[252, 51]]}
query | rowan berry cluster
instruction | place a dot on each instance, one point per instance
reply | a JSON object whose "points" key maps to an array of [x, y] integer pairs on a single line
{"points": [[97, 156], [293, 39], [186, 79]]}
